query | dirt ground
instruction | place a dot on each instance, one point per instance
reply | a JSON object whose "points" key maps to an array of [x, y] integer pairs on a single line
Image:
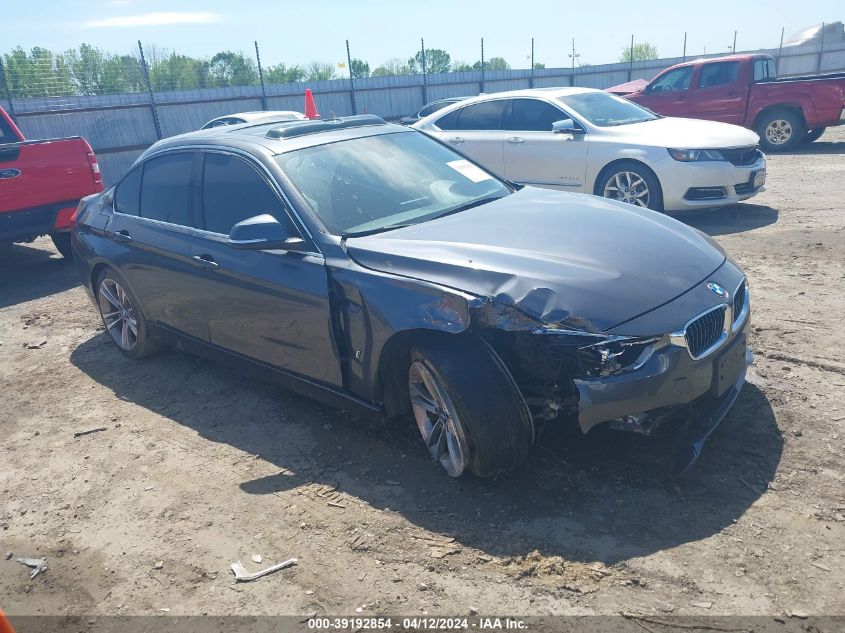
{"points": [[199, 467]]}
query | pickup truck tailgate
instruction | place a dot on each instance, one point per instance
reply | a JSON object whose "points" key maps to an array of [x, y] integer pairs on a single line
{"points": [[40, 173]]}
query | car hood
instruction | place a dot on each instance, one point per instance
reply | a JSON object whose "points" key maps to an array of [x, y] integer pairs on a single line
{"points": [[570, 259], [685, 134]]}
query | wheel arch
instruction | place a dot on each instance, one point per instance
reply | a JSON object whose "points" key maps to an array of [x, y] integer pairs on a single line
{"points": [[618, 161], [790, 106]]}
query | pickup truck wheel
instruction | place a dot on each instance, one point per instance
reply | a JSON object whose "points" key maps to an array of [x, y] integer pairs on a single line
{"points": [[468, 409], [122, 316], [781, 130], [632, 182], [814, 135], [62, 243]]}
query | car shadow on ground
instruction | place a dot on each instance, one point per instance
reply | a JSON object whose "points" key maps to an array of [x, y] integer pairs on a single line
{"points": [[604, 497], [28, 272], [736, 218], [817, 147]]}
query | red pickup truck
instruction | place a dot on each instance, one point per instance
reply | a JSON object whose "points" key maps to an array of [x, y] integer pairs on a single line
{"points": [[41, 184], [744, 90]]}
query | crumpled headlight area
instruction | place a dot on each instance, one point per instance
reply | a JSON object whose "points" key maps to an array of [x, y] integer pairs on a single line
{"points": [[695, 155], [614, 355]]}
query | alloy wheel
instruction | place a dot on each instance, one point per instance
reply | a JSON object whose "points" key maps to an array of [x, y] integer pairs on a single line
{"points": [[628, 186], [118, 314], [437, 419], [778, 132]]}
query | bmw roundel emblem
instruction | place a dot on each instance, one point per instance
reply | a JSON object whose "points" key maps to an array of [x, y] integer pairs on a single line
{"points": [[717, 290], [10, 172]]}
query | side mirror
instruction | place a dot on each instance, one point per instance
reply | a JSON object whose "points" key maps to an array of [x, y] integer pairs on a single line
{"points": [[566, 126], [262, 232]]}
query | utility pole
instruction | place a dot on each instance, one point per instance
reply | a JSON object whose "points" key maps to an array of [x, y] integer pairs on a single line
{"points": [[685, 46], [424, 71], [482, 66], [150, 90], [780, 48], [574, 56], [531, 79], [631, 60], [733, 50]]}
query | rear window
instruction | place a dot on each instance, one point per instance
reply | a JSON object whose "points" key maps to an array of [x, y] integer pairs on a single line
{"points": [[486, 115], [6, 133], [166, 189], [718, 74]]}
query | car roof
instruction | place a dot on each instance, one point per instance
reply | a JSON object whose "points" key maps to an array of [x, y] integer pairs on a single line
{"points": [[740, 57], [279, 137]]}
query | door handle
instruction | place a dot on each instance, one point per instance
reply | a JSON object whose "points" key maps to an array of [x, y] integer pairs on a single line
{"points": [[122, 236], [733, 93], [206, 261], [456, 140], [516, 139]]}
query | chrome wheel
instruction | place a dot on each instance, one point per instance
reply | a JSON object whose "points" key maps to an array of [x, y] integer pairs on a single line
{"points": [[437, 419], [779, 132], [118, 314], [628, 186]]}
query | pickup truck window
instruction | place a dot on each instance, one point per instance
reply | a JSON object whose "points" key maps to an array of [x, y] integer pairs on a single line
{"points": [[764, 69], [673, 81], [6, 133], [166, 189], [127, 197], [718, 74]]}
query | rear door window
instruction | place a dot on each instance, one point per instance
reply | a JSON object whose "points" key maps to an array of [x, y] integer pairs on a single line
{"points": [[233, 191], [166, 189], [533, 115], [718, 74], [127, 195]]}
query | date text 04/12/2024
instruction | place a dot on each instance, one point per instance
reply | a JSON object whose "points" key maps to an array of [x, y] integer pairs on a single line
{"points": [[416, 623]]}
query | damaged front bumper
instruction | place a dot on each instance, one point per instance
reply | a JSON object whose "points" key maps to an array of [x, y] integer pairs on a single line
{"points": [[670, 386]]}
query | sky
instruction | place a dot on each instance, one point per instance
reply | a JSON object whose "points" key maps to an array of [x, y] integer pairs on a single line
{"points": [[301, 31]]}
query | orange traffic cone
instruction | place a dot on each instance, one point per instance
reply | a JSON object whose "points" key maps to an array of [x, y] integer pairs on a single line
{"points": [[310, 105], [5, 626]]}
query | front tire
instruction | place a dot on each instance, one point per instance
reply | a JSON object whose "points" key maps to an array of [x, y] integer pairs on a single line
{"points": [[467, 407], [122, 316], [62, 243], [631, 182], [781, 130]]}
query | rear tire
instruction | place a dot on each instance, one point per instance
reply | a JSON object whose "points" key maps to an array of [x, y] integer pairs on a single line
{"points": [[62, 243], [781, 130], [122, 316], [468, 408], [814, 135], [632, 182]]}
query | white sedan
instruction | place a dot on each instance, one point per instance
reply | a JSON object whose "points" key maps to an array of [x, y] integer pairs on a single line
{"points": [[255, 116], [589, 141]]}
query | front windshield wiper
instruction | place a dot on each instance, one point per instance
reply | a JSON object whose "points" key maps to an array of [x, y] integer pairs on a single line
{"points": [[463, 207], [469, 205], [378, 229]]}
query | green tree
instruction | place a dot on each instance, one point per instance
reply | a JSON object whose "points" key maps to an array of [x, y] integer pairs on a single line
{"points": [[642, 52], [461, 67], [180, 72], [233, 69], [497, 63], [360, 68], [539, 66], [436, 61], [283, 74], [393, 66], [319, 71]]}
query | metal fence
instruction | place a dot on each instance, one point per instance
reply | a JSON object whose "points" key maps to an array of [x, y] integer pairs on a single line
{"points": [[140, 109]]}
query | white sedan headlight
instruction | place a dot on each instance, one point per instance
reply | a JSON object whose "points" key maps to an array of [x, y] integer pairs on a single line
{"points": [[693, 155]]}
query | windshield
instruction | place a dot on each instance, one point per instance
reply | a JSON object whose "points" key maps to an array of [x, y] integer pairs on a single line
{"points": [[604, 109], [377, 183]]}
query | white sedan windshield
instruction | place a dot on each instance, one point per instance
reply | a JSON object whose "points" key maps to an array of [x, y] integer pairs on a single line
{"points": [[605, 110]]}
